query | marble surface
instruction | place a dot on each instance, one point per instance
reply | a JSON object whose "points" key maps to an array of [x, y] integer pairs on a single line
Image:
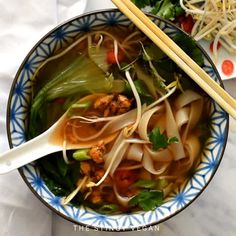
{"points": [[212, 214]]}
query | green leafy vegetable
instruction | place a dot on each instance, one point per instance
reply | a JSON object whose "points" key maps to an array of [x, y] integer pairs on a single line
{"points": [[74, 173], [160, 140], [62, 167], [168, 9], [61, 180], [154, 52], [158, 81], [76, 78], [54, 187], [99, 56], [190, 47], [147, 200], [142, 90], [160, 69], [143, 75], [141, 87], [143, 3], [53, 178]]}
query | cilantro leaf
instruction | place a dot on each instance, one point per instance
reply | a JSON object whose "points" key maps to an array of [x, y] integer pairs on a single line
{"points": [[160, 140], [172, 140], [168, 9], [141, 3], [142, 90], [144, 3], [147, 200], [165, 9]]}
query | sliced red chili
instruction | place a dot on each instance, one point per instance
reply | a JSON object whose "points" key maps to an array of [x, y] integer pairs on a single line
{"points": [[111, 59], [186, 23]]}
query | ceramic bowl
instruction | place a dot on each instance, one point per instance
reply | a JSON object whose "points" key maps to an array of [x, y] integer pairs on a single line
{"points": [[17, 115]]}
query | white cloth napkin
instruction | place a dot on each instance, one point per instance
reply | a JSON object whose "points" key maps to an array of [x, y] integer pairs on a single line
{"points": [[22, 24]]}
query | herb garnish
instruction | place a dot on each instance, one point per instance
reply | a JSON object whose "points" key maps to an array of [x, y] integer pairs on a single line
{"points": [[168, 9], [147, 200], [160, 140]]}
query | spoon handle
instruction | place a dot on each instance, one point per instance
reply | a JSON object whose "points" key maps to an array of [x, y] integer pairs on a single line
{"points": [[26, 153]]}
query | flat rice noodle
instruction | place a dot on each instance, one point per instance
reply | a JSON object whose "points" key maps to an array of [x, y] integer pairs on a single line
{"points": [[112, 126], [194, 116], [135, 152], [144, 121], [148, 164], [119, 157], [116, 154], [187, 97], [189, 105], [164, 155], [121, 199], [193, 148], [182, 117], [177, 149], [89, 144]]}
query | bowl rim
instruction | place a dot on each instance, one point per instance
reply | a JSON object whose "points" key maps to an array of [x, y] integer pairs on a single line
{"points": [[20, 170]]}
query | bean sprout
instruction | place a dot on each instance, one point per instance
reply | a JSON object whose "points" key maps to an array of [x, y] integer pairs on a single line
{"points": [[214, 19]]}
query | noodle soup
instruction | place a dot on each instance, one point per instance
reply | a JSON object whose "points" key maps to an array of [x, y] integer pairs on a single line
{"points": [[138, 119]]}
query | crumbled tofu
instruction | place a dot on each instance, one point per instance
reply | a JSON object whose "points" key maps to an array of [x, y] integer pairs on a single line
{"points": [[124, 104], [114, 104], [97, 152], [99, 174], [103, 102], [96, 197], [85, 167]]}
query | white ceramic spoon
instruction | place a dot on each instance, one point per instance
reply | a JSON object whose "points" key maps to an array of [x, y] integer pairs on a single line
{"points": [[30, 151], [48, 142]]}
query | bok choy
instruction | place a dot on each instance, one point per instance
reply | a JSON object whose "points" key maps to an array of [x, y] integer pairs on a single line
{"points": [[80, 77]]}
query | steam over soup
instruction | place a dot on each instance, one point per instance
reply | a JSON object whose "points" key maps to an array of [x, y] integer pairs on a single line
{"points": [[138, 118]]}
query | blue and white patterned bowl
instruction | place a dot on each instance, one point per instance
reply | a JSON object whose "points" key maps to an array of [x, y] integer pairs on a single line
{"points": [[18, 108]]}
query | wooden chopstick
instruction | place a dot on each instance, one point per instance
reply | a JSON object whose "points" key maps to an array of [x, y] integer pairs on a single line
{"points": [[178, 55]]}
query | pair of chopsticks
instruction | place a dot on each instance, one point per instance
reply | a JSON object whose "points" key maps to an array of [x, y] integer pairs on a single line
{"points": [[171, 49]]}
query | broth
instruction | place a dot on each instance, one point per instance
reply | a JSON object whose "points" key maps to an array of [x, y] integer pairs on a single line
{"points": [[137, 118]]}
